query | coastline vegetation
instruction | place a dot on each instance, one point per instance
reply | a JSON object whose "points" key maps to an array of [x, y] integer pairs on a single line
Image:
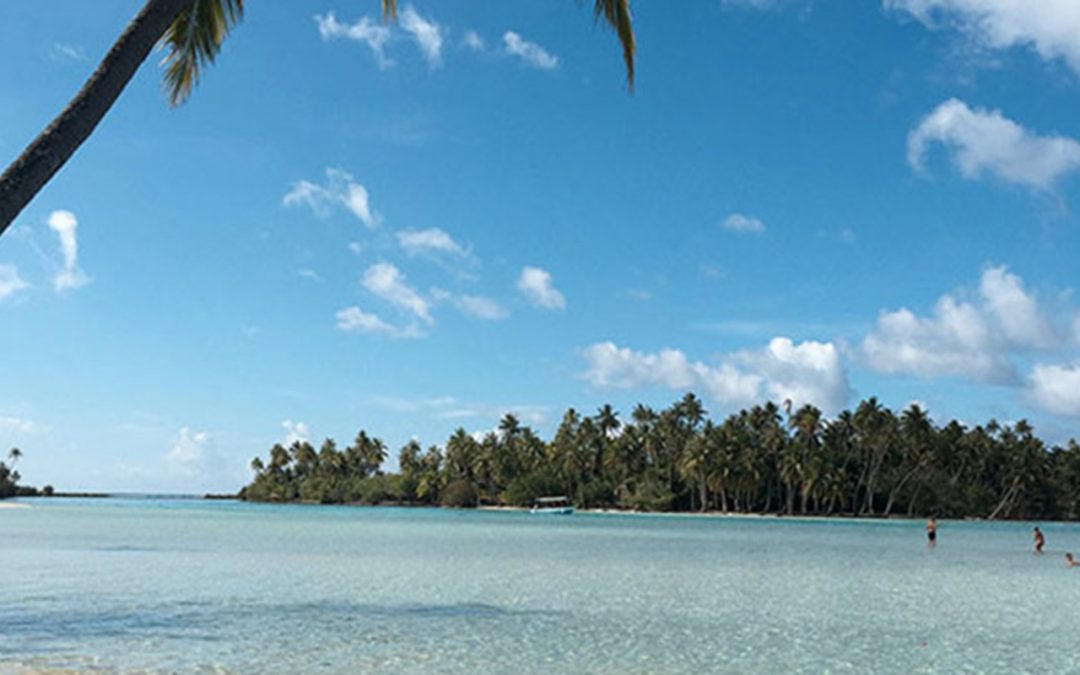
{"points": [[9, 479], [768, 459]]}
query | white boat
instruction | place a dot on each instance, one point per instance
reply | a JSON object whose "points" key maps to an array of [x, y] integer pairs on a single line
{"points": [[552, 505]]}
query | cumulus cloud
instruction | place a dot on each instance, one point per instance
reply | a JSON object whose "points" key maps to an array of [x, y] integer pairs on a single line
{"points": [[341, 189], [1056, 388], [970, 339], [1050, 27], [473, 41], [193, 453], [427, 34], [295, 432], [982, 142], [70, 276], [530, 53], [355, 320], [535, 284], [1016, 310], [387, 282], [432, 240], [10, 281], [366, 30], [806, 372], [738, 222]]}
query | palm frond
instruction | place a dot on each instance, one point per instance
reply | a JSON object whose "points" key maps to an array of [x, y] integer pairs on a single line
{"points": [[616, 13], [193, 40]]}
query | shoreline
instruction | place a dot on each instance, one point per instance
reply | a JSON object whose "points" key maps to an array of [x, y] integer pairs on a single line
{"points": [[731, 515], [737, 516]]}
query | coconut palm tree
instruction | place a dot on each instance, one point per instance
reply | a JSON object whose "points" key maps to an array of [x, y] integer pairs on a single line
{"points": [[14, 455], [191, 32]]}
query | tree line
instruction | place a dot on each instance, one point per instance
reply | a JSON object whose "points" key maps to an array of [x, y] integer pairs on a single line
{"points": [[9, 479], [770, 458]]}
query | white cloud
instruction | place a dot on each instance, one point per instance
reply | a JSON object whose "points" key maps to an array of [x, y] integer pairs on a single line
{"points": [[10, 281], [535, 284], [355, 320], [1050, 27], [476, 306], [1016, 310], [473, 41], [956, 340], [70, 276], [449, 407], [387, 282], [807, 372], [59, 51], [986, 142], [1056, 389], [973, 340], [480, 307], [750, 4], [295, 432], [426, 33], [366, 30], [341, 189], [193, 453], [10, 424], [308, 273], [432, 240], [737, 222], [529, 52]]}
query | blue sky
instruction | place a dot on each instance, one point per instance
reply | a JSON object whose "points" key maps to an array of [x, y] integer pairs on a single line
{"points": [[417, 227]]}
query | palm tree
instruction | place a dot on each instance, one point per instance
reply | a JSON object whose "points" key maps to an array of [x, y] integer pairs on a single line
{"points": [[366, 454], [875, 428], [14, 455], [917, 436], [192, 32], [805, 446]]}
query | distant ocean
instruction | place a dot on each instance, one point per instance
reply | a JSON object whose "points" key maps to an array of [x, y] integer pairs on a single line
{"points": [[190, 586]]}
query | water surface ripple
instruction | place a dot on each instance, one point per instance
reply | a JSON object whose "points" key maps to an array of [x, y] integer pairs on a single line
{"points": [[183, 586]]}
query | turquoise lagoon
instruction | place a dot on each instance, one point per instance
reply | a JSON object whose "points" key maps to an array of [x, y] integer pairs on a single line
{"points": [[190, 586]]}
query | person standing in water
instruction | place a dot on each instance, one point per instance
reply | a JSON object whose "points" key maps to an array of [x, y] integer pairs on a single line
{"points": [[1040, 540], [931, 532], [1070, 561]]}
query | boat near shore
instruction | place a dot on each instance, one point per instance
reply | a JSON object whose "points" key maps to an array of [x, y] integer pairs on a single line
{"points": [[552, 506]]}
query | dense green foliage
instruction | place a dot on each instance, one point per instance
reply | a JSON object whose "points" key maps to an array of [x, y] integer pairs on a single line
{"points": [[9, 478], [867, 462]]}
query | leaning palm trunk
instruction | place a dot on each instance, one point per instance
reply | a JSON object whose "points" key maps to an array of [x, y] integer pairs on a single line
{"points": [[54, 146], [1004, 507], [895, 491]]}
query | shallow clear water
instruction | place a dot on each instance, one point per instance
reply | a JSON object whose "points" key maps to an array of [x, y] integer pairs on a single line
{"points": [[194, 586]]}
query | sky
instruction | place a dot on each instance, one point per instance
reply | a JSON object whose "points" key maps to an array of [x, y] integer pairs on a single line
{"points": [[420, 226]]}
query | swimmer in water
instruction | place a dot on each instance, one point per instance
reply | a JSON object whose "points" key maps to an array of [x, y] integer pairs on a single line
{"points": [[931, 533], [1070, 561], [1040, 540]]}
